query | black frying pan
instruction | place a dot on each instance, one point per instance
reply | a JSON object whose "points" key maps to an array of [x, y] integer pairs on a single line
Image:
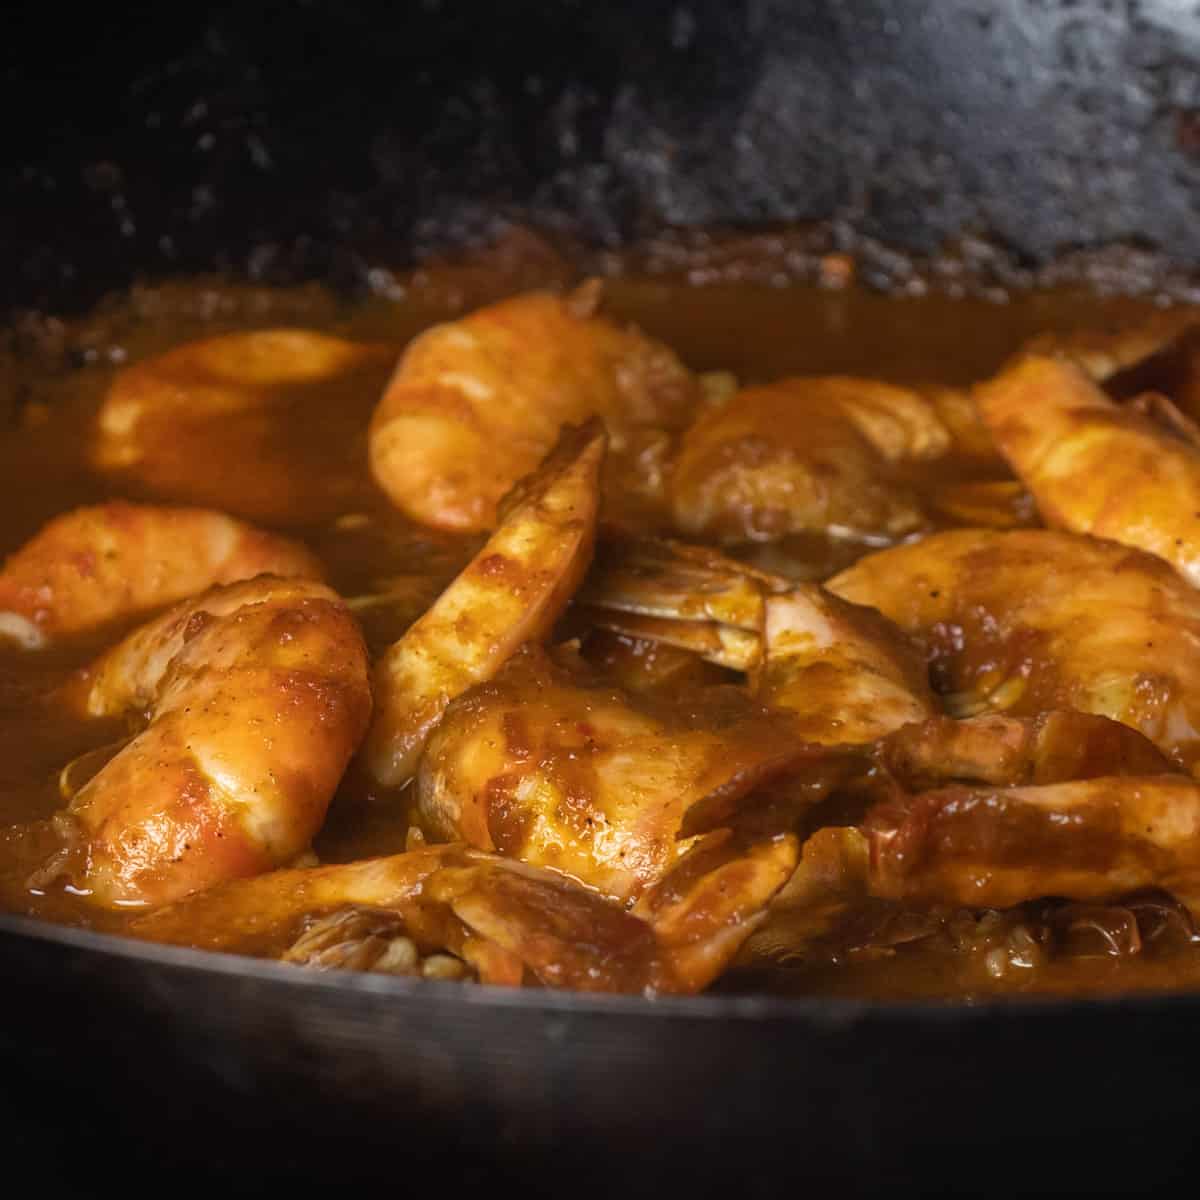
{"points": [[285, 141]]}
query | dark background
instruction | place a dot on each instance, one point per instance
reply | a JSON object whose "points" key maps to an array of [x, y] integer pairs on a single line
{"points": [[312, 138]]}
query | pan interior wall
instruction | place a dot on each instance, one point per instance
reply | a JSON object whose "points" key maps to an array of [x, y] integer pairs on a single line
{"points": [[290, 140]]}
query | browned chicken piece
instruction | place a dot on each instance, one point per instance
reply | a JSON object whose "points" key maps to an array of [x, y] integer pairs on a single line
{"points": [[846, 872], [1089, 840], [554, 767], [1053, 747], [994, 811]]}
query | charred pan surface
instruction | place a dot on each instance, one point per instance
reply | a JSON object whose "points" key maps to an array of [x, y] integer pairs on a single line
{"points": [[902, 121]]}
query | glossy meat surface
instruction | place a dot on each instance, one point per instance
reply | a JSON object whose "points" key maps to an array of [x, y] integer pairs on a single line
{"points": [[110, 562], [703, 765], [1097, 467], [1031, 620], [549, 766], [475, 404], [256, 697], [510, 593], [805, 455]]}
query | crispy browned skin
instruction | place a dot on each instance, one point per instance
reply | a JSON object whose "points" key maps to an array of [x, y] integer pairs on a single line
{"points": [[1094, 466], [168, 420], [554, 768], [503, 917], [511, 592], [476, 403], [257, 696], [804, 455], [117, 561], [1026, 621], [1094, 839]]}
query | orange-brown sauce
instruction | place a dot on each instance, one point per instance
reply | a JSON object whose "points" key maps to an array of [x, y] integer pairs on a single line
{"points": [[53, 375]]}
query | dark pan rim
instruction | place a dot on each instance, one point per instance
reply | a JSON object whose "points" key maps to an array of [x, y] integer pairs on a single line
{"points": [[820, 1012]]}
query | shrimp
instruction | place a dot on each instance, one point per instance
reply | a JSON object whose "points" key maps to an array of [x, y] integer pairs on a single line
{"points": [[550, 765], [498, 919], [687, 596], [94, 565], [476, 403], [1090, 840], [257, 695], [245, 398], [1104, 354], [1027, 621], [806, 455], [842, 672], [1096, 467], [511, 592]]}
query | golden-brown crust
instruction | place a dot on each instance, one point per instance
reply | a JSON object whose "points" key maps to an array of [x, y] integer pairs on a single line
{"points": [[1095, 839], [254, 712], [566, 771], [1096, 467], [511, 592], [1026, 621]]}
